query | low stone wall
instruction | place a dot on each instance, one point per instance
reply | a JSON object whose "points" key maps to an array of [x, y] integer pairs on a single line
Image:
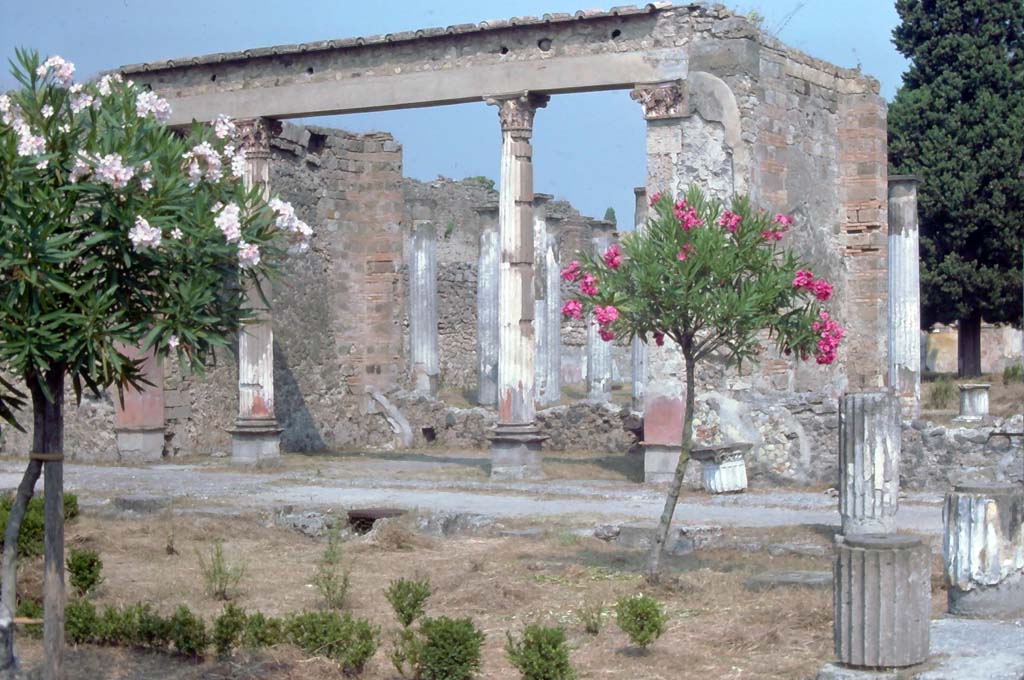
{"points": [[938, 457]]}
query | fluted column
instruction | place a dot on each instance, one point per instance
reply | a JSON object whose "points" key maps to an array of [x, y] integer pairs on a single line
{"points": [[869, 462], [423, 301], [553, 313], [256, 436], [487, 307], [638, 348], [599, 352], [139, 414], [983, 549], [541, 292], [516, 440], [904, 294]]}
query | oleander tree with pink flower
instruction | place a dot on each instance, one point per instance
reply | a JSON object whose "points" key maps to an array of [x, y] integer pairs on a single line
{"points": [[712, 279], [115, 232]]}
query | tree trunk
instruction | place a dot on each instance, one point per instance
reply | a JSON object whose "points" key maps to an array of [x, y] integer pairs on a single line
{"points": [[968, 348], [661, 536], [51, 443], [9, 574]]}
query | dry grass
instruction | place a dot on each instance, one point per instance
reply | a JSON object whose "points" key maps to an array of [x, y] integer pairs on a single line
{"points": [[717, 629], [1004, 400]]}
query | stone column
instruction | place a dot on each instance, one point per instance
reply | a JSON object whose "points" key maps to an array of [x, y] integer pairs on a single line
{"points": [[983, 550], [256, 436], [869, 462], [904, 294], [139, 418], [599, 352], [487, 307], [639, 348], [664, 107], [423, 300], [881, 600], [973, 402], [516, 442], [542, 363], [553, 313]]}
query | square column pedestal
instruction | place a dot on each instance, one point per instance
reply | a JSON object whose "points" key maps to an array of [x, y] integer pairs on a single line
{"points": [[256, 443], [663, 436], [515, 452]]}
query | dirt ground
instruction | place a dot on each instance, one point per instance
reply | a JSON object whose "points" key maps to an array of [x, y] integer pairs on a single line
{"points": [[717, 628]]}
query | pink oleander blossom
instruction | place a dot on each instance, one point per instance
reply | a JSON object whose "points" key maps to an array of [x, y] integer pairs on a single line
{"points": [[770, 235], [821, 289], [572, 272], [659, 338], [655, 197], [783, 221], [612, 256], [803, 279], [605, 315], [588, 286], [686, 215], [684, 252], [572, 309], [729, 221], [606, 335]]}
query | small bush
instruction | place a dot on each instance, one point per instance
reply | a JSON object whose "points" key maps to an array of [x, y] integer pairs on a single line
{"points": [[111, 629], [405, 653], [261, 631], [220, 577], [228, 628], [1014, 373], [84, 568], [30, 538], [407, 598], [541, 654], [30, 609], [347, 641], [941, 394], [641, 619], [80, 622], [451, 649], [591, 615], [188, 633], [332, 576], [145, 628]]}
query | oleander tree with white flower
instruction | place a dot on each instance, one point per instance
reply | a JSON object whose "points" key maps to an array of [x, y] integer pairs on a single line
{"points": [[115, 231], [713, 279]]}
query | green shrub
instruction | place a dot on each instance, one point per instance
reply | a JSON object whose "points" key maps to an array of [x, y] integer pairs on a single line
{"points": [[541, 654], [30, 538], [80, 622], [84, 568], [1014, 373], [111, 629], [407, 598], [405, 653], [30, 609], [261, 631], [641, 618], [940, 395], [450, 649], [332, 577], [227, 629], [188, 633], [591, 615], [221, 578], [347, 641]]}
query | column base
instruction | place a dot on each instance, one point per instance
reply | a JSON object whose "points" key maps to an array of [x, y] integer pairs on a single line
{"points": [[515, 452], [660, 463], [140, 444], [425, 383], [855, 526], [254, 443], [1004, 600]]}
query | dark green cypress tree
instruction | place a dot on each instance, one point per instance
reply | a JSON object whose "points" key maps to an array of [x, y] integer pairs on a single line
{"points": [[958, 122]]}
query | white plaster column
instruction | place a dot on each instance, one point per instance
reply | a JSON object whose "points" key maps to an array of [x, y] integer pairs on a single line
{"points": [[639, 348], [487, 307], [599, 352], [869, 462], [423, 300], [542, 363], [516, 440], [904, 294], [256, 436], [553, 313]]}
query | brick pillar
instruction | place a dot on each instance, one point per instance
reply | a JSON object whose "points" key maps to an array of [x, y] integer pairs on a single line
{"points": [[139, 418], [639, 348], [599, 352], [516, 440], [487, 307], [904, 294], [423, 301], [256, 436]]}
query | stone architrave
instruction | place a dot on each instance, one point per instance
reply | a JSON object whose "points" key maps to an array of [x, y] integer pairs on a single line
{"points": [[256, 436], [423, 302], [487, 306], [541, 293], [638, 348], [973, 401], [869, 462], [983, 550], [904, 294], [599, 352], [139, 417], [516, 440], [881, 600]]}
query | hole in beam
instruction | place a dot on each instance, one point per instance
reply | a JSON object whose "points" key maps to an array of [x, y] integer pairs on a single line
{"points": [[544, 44], [503, 50], [616, 33], [309, 70]]}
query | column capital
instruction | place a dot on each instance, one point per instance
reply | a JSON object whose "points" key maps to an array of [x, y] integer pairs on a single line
{"points": [[516, 111], [254, 134], [661, 100]]}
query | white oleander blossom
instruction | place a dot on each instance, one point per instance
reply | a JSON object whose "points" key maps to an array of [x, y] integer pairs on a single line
{"points": [[149, 103], [176, 234], [107, 82], [80, 99], [143, 236], [238, 163], [46, 111], [227, 220], [28, 143], [110, 169], [173, 342], [81, 169], [203, 161], [146, 183], [63, 71], [248, 255], [224, 127], [288, 221]]}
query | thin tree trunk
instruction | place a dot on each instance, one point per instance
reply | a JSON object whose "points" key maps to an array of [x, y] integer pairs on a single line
{"points": [[661, 537], [52, 440], [9, 572], [968, 346]]}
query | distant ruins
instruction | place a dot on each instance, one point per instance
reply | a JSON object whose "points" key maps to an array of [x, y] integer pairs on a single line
{"points": [[428, 312]]}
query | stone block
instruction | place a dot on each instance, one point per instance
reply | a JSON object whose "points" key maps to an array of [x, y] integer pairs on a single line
{"points": [[137, 445]]}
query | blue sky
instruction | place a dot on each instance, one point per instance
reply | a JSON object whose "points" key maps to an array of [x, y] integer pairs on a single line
{"points": [[588, 148]]}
